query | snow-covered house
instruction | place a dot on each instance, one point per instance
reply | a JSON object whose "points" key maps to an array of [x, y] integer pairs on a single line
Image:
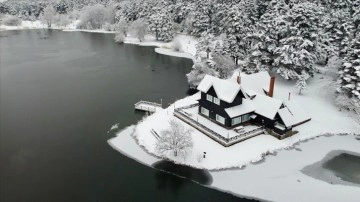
{"points": [[247, 99]]}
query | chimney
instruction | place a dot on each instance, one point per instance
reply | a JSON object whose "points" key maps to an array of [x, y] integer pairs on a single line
{"points": [[271, 87], [289, 96], [238, 79]]}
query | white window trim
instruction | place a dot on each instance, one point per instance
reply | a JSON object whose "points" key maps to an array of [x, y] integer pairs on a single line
{"points": [[204, 111], [216, 100], [220, 119], [209, 97]]}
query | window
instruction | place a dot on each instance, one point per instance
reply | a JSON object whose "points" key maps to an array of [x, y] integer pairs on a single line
{"points": [[246, 117], [204, 111], [209, 97], [217, 101], [236, 120], [220, 119]]}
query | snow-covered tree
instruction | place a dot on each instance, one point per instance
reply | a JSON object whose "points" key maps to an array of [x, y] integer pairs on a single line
{"points": [[198, 72], [161, 25], [139, 29], [206, 45], [62, 7], [48, 15], [350, 71], [176, 139], [259, 56], [301, 82], [224, 65], [63, 20], [201, 19], [94, 17], [295, 55], [10, 20], [296, 51], [119, 37], [122, 26], [237, 26]]}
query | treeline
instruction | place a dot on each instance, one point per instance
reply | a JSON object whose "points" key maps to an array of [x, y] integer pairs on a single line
{"points": [[288, 36]]}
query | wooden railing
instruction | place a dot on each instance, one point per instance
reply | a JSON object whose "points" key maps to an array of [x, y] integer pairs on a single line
{"points": [[179, 113]]}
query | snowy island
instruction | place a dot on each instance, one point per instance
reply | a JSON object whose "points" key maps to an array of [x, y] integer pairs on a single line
{"points": [[272, 138]]}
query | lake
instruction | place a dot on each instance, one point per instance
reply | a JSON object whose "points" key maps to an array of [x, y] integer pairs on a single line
{"points": [[60, 92]]}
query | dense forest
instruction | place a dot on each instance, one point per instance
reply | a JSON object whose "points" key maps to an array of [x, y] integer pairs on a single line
{"points": [[290, 37]]}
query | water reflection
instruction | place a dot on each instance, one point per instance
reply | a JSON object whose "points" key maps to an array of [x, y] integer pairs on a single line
{"points": [[164, 180]]}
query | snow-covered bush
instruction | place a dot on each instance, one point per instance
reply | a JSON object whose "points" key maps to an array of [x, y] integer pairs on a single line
{"points": [[11, 20], [119, 37], [139, 29], [176, 44], [94, 17]]}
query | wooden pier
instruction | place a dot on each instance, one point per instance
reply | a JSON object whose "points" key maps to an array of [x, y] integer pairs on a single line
{"points": [[148, 106]]}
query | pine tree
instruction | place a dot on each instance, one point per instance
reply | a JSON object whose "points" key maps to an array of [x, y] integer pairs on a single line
{"points": [[160, 24], [206, 45], [301, 83], [296, 51], [350, 71], [237, 26]]}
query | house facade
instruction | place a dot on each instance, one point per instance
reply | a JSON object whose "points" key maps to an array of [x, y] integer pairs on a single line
{"points": [[231, 103]]}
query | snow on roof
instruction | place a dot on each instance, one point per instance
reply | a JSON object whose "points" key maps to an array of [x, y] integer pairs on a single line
{"points": [[225, 89], [292, 114], [266, 106], [257, 82], [246, 107]]}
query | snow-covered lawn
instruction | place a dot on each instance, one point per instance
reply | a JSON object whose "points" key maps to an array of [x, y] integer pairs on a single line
{"points": [[277, 178]]}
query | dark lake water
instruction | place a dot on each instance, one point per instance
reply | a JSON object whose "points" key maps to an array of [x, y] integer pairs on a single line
{"points": [[346, 166], [59, 95]]}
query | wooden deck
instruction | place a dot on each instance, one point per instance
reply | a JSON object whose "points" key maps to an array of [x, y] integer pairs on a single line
{"points": [[148, 106]]}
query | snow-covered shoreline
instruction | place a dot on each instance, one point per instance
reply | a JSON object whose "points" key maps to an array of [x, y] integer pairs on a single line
{"points": [[283, 168], [187, 50]]}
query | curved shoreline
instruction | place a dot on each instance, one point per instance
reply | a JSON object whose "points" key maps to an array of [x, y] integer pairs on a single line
{"points": [[163, 48]]}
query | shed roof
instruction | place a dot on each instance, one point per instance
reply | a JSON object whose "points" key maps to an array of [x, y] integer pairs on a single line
{"points": [[292, 114]]}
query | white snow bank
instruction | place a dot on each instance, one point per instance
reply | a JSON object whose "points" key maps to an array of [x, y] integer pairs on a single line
{"points": [[125, 144]]}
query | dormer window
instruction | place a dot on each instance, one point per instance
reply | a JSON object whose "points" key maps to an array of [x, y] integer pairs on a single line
{"points": [[209, 98], [216, 100]]}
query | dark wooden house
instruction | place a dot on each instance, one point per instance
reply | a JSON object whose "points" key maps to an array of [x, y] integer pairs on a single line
{"points": [[229, 103]]}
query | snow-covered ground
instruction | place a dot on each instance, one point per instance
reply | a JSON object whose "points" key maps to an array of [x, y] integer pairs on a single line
{"points": [[276, 178], [316, 102], [187, 49]]}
